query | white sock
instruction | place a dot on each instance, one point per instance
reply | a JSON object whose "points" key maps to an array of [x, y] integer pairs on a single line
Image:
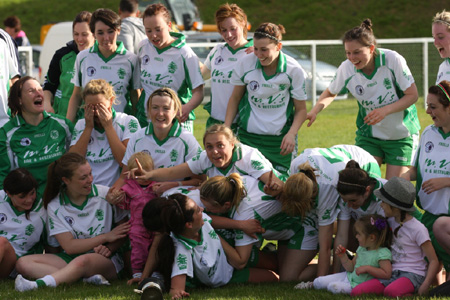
{"points": [[48, 280], [97, 279], [22, 284]]}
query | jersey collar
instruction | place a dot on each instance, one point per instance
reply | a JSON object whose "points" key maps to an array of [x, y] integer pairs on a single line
{"points": [[64, 199], [119, 51], [175, 131], [20, 121], [233, 51], [188, 243], [180, 41], [36, 206], [372, 197], [442, 133], [101, 129], [281, 67], [379, 59]]}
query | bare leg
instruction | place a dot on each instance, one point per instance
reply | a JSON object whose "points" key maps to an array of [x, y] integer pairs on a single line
{"points": [[85, 266], [262, 275], [38, 265], [392, 170], [292, 263], [441, 230], [7, 258]]}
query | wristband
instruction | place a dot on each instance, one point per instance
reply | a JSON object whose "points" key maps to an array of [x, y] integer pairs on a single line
{"points": [[179, 183]]}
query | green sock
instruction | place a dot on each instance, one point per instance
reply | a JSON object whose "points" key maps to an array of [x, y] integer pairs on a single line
{"points": [[40, 283]]}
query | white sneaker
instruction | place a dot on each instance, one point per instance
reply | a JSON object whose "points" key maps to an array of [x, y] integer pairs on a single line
{"points": [[304, 285], [22, 284], [97, 280]]}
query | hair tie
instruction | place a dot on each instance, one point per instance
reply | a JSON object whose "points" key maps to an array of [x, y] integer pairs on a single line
{"points": [[302, 171], [379, 223], [444, 90], [267, 36]]}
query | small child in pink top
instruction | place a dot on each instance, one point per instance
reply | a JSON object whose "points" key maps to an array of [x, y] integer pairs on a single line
{"points": [[138, 192]]}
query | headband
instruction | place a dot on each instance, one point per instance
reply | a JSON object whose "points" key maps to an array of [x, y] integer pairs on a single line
{"points": [[442, 21], [352, 184], [445, 92], [395, 201], [267, 36]]}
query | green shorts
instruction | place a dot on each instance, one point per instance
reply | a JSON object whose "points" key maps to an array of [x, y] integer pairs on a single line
{"points": [[240, 276], [269, 145], [397, 152], [428, 220], [307, 238]]}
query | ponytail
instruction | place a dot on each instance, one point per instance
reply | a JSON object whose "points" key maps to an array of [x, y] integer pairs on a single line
{"points": [[220, 189]]}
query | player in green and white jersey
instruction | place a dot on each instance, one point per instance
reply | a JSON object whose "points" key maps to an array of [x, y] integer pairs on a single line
{"points": [[310, 191], [22, 220], [232, 24], [83, 223], [32, 138], [431, 170], [223, 156], [269, 92], [108, 60], [387, 122], [441, 35], [166, 61], [102, 136], [7, 72]]}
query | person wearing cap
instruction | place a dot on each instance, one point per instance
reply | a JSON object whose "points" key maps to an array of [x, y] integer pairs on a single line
{"points": [[431, 170], [411, 244]]}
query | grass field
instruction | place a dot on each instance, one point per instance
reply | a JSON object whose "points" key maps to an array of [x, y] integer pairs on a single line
{"points": [[335, 125]]}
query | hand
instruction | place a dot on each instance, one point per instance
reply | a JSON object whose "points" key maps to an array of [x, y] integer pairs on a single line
{"points": [[104, 115], [89, 114], [249, 50], [272, 188], [185, 111], [118, 232], [134, 280], [340, 251], [375, 116], [311, 117], [178, 294], [288, 144], [160, 187], [115, 196], [361, 270], [138, 173], [103, 250], [435, 184], [423, 289], [250, 227]]}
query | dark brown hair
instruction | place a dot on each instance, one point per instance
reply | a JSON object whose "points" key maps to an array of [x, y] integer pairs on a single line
{"points": [[362, 33], [15, 93], [13, 22], [378, 226], [437, 91], [354, 180], [107, 16], [20, 182], [270, 31]]}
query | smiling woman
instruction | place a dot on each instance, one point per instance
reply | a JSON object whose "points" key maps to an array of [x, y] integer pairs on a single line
{"points": [[32, 138]]}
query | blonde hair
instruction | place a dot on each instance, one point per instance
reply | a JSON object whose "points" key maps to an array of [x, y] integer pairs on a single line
{"points": [[166, 92], [299, 191], [145, 160], [220, 189], [442, 17], [100, 87], [222, 129], [231, 11]]}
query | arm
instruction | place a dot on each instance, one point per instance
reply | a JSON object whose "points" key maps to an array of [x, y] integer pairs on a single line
{"points": [[115, 245], [163, 174], [177, 287], [48, 101], [433, 267], [409, 98], [288, 143], [435, 184], [160, 187], [341, 240], [325, 99], [325, 237], [196, 100], [206, 73], [249, 227], [74, 104], [233, 104], [151, 259], [77, 246], [273, 186], [383, 272], [237, 257], [348, 264], [81, 145]]}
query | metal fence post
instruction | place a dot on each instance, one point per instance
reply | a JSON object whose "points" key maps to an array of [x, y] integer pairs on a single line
{"points": [[425, 73], [313, 74]]}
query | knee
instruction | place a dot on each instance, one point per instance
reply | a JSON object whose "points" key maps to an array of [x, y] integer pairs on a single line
{"points": [[23, 265], [441, 226], [82, 261]]}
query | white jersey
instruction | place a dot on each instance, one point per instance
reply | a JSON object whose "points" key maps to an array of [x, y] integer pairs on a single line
{"points": [[444, 71], [25, 235], [94, 217], [373, 206], [175, 66], [431, 162], [179, 146], [7, 71], [245, 161], [267, 210], [328, 162], [121, 70], [192, 194], [268, 102], [105, 169], [204, 260], [384, 86], [221, 61]]}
